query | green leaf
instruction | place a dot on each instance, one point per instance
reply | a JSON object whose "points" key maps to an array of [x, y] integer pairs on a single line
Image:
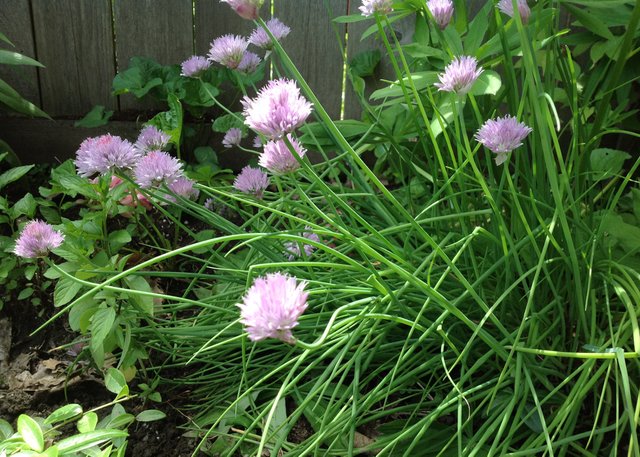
{"points": [[64, 413], [65, 291], [4, 38], [97, 117], [170, 121], [116, 383], [87, 423], [223, 123], [365, 63], [25, 293], [150, 415], [144, 302], [14, 100], [350, 18], [421, 79], [606, 163], [5, 430], [488, 83], [83, 441], [26, 206], [141, 76], [205, 155], [53, 451], [118, 239], [445, 108], [14, 174], [590, 21], [31, 432], [15, 58], [101, 325]]}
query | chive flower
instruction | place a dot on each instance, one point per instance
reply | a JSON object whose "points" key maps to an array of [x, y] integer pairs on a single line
{"points": [[506, 6], [278, 159], [232, 137], [152, 138], [37, 239], [259, 37], [249, 62], [459, 75], [184, 187], [246, 9], [105, 153], [228, 50], [194, 66], [293, 247], [251, 181], [157, 168], [502, 135], [442, 11], [272, 306], [278, 109], [370, 7]]}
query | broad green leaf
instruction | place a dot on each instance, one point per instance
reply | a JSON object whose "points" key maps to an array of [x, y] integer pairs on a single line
{"points": [[420, 81], [446, 114], [118, 239], [65, 291], [4, 38], [25, 293], [15, 58], [31, 432], [87, 423], [140, 283], [97, 117], [170, 121], [150, 415], [26, 206], [53, 451], [101, 325], [364, 63], [606, 163], [488, 83], [5, 430], [223, 123], [626, 234], [83, 441], [64, 413], [115, 382], [590, 21], [14, 174], [14, 100]]}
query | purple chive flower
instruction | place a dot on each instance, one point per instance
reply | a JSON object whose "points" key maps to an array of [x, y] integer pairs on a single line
{"points": [[257, 142], [506, 6], [183, 187], [105, 153], [272, 306], [502, 135], [293, 247], [37, 239], [249, 62], [246, 9], [442, 11], [459, 75], [228, 50], [370, 7], [157, 168], [278, 109], [278, 159], [232, 137], [251, 181], [260, 38], [152, 139], [194, 66]]}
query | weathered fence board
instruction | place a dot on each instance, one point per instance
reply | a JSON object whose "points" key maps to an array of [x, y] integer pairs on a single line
{"points": [[74, 40], [160, 29], [15, 23], [313, 46]]}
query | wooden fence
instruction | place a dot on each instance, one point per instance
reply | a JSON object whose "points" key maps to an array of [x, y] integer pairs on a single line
{"points": [[84, 43]]}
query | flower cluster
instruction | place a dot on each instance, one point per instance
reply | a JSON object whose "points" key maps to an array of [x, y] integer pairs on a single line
{"points": [[272, 306], [37, 239], [228, 50], [232, 137], [293, 248], [259, 37], [156, 168], [278, 158], [442, 11], [371, 7], [103, 154], [194, 66], [152, 139], [506, 6], [459, 75], [251, 181], [502, 135]]}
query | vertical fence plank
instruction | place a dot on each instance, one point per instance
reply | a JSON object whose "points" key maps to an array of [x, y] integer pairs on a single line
{"points": [[213, 19], [15, 23], [313, 46], [160, 29], [74, 41], [404, 30]]}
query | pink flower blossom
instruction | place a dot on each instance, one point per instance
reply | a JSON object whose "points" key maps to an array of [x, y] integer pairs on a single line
{"points": [[105, 153], [184, 187], [272, 306], [194, 66], [442, 11], [152, 138], [278, 109], [259, 37], [459, 75], [249, 62], [370, 7], [251, 181], [293, 247], [228, 50], [37, 239], [157, 168], [232, 137], [502, 135], [278, 159], [128, 199], [246, 9], [506, 6]]}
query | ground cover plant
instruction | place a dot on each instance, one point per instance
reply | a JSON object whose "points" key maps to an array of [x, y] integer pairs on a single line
{"points": [[454, 273]]}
